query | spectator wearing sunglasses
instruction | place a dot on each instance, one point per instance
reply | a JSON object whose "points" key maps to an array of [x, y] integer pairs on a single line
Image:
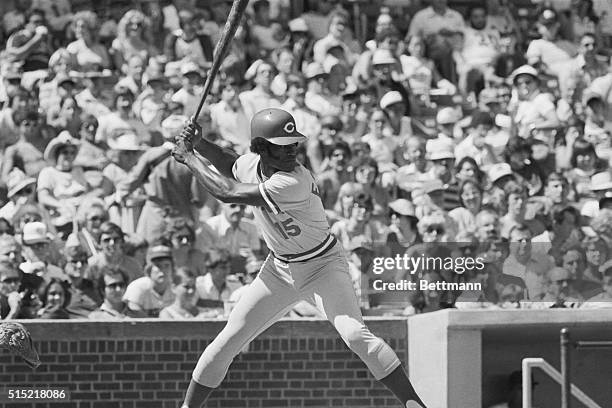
{"points": [[183, 238], [111, 285], [236, 234], [92, 154], [112, 253], [559, 291], [152, 292], [84, 297]]}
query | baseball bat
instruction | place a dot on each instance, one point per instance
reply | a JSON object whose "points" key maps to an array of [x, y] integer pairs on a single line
{"points": [[231, 25]]}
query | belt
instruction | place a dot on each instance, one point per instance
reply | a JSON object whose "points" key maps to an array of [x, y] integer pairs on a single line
{"points": [[319, 250]]}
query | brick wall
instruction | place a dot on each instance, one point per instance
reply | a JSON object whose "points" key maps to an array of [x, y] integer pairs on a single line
{"points": [[295, 363]]}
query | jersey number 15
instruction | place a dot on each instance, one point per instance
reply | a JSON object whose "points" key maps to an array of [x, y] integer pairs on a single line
{"points": [[286, 229]]}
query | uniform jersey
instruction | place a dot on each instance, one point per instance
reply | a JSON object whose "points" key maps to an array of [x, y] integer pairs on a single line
{"points": [[293, 221]]}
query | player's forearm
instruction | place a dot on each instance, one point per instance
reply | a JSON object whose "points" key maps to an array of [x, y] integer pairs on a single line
{"points": [[222, 159], [217, 184]]}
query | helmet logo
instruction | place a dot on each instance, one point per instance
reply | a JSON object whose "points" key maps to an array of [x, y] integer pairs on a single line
{"points": [[289, 127]]}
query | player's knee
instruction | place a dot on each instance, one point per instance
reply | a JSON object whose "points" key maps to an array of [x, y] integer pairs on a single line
{"points": [[355, 337]]}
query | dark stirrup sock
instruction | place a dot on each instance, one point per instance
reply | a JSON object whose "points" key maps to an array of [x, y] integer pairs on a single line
{"points": [[196, 395], [399, 384]]}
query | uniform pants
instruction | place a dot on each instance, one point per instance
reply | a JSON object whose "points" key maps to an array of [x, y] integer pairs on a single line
{"points": [[325, 282]]}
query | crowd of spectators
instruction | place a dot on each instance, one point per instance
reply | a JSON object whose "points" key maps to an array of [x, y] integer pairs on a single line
{"points": [[481, 131]]}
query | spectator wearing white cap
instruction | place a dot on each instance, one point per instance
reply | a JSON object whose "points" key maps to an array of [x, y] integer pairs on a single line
{"points": [[318, 98], [261, 96], [300, 41], [387, 75], [531, 109], [386, 39], [395, 108], [446, 120], [415, 172], [170, 188], [601, 186], [442, 158], [39, 247]]}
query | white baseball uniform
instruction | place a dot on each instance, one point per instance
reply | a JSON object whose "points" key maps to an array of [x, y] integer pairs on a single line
{"points": [[306, 262]]}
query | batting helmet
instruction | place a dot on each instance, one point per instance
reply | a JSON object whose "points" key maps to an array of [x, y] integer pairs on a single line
{"points": [[276, 126]]}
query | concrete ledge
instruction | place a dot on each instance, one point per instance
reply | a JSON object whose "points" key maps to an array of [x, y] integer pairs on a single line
{"points": [[84, 329]]}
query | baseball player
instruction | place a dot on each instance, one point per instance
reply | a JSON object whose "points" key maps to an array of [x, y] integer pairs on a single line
{"points": [[305, 263]]}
